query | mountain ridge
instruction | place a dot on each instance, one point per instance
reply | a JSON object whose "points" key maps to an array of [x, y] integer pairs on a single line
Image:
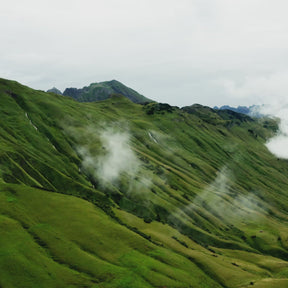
{"points": [[253, 110], [103, 90]]}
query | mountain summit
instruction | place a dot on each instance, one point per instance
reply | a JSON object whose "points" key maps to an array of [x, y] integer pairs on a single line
{"points": [[104, 90], [54, 90]]}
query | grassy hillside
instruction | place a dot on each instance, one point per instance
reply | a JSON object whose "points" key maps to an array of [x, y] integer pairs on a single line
{"points": [[116, 194]]}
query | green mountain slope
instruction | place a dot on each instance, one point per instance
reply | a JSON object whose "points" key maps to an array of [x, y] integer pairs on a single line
{"points": [[104, 90], [115, 194]]}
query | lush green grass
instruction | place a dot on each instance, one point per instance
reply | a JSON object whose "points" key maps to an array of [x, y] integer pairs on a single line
{"points": [[205, 204]]}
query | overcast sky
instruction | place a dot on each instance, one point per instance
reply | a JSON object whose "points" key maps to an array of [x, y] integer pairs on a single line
{"points": [[212, 52]]}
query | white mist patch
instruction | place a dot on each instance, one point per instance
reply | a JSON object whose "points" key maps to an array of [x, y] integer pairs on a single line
{"points": [[107, 155], [220, 199], [271, 90], [152, 137], [278, 145], [118, 157]]}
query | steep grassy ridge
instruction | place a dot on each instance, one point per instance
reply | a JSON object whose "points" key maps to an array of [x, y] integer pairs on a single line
{"points": [[115, 194]]}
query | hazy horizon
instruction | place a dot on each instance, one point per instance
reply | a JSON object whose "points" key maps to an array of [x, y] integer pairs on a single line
{"points": [[211, 52]]}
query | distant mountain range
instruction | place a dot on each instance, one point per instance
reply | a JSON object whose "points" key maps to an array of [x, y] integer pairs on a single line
{"points": [[253, 110], [102, 91]]}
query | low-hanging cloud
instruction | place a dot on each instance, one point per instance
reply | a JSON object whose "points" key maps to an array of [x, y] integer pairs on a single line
{"points": [[109, 159], [115, 158], [279, 143], [222, 200], [271, 91]]}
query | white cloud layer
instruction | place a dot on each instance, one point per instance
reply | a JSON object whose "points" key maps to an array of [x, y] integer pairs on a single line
{"points": [[171, 51], [269, 89], [117, 156], [272, 91]]}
